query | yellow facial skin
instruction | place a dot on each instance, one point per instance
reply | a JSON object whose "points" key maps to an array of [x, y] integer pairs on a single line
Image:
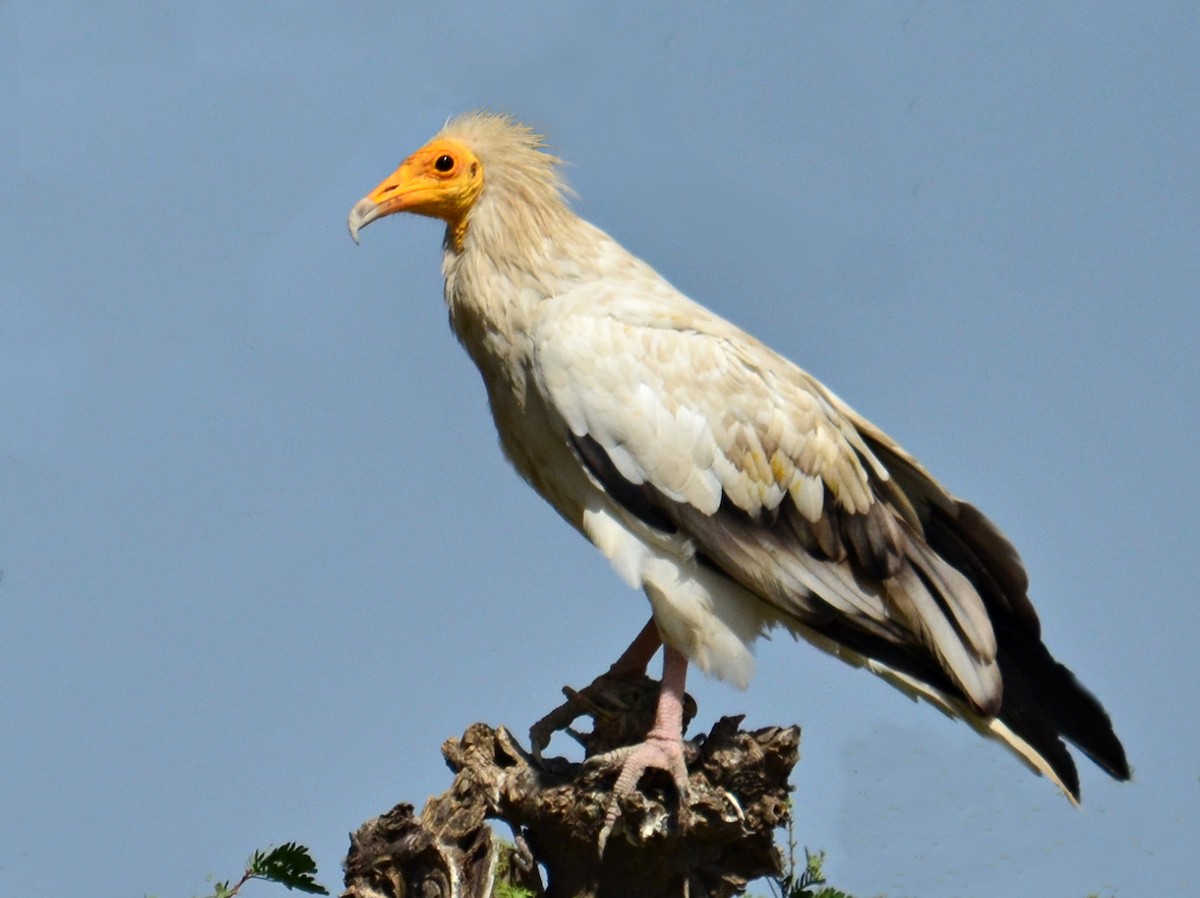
{"points": [[442, 180]]}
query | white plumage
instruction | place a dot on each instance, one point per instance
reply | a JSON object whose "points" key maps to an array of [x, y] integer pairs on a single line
{"points": [[732, 487]]}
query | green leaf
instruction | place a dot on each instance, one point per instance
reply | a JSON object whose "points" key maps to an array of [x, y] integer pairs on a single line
{"points": [[289, 865], [502, 887]]}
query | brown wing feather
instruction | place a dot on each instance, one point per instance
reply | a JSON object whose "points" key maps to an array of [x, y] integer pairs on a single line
{"points": [[785, 490]]}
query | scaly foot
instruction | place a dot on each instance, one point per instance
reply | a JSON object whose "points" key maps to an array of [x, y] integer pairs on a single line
{"points": [[662, 748], [660, 751]]}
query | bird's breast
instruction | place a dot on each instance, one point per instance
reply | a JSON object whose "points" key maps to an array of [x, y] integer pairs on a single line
{"points": [[537, 443]]}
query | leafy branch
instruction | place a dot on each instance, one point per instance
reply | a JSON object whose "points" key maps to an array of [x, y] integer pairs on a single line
{"points": [[289, 865], [807, 882]]}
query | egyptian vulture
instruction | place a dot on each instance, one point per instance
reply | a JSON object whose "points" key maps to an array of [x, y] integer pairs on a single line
{"points": [[734, 489]]}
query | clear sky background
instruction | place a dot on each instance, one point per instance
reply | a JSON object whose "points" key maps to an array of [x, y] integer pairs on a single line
{"points": [[262, 554]]}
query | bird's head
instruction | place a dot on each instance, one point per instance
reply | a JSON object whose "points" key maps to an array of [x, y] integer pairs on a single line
{"points": [[445, 179], [442, 180]]}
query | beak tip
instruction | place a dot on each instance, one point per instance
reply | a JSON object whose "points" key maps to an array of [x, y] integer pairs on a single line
{"points": [[364, 212]]}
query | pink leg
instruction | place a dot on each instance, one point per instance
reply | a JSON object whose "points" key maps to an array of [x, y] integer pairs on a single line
{"points": [[663, 746], [633, 660], [603, 693]]}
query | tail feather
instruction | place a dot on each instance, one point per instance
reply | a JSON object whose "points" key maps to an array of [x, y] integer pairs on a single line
{"points": [[1038, 688], [1043, 702]]}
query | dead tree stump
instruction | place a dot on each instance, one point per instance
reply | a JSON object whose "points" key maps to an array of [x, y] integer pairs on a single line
{"points": [[710, 844]]}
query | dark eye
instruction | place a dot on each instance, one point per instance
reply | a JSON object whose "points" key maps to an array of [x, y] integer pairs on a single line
{"points": [[444, 163]]}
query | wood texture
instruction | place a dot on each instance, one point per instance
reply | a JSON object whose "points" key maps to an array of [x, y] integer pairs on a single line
{"points": [[719, 837]]}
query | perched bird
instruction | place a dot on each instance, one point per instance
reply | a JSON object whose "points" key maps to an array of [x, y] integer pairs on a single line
{"points": [[732, 487]]}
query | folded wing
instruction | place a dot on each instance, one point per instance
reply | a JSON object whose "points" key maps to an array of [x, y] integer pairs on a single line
{"points": [[696, 427]]}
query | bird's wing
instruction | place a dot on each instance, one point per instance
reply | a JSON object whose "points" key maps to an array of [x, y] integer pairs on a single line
{"points": [[692, 424]]}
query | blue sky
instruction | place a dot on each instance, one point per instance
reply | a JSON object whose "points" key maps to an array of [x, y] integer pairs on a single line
{"points": [[261, 553]]}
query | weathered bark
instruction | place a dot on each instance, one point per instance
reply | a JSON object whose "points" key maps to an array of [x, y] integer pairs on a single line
{"points": [[721, 836]]}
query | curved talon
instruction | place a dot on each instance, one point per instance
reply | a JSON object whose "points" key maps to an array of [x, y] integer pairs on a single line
{"points": [[659, 752], [605, 832]]}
